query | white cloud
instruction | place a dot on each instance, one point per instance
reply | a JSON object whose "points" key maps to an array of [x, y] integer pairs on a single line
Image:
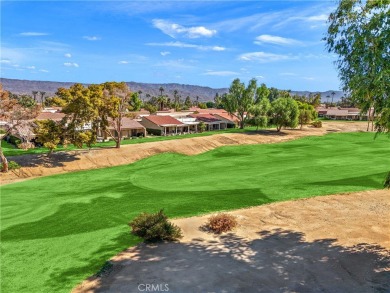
{"points": [[43, 70], [220, 73], [321, 17], [92, 38], [165, 53], [70, 64], [276, 40], [123, 62], [32, 34], [175, 64], [263, 57], [186, 45], [68, 55], [5, 61], [259, 76], [174, 30], [30, 67]]}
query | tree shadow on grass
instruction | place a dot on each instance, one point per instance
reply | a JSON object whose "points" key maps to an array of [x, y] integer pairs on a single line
{"points": [[279, 261], [57, 159], [368, 181]]}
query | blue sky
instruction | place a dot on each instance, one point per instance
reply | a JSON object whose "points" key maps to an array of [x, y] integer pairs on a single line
{"points": [[205, 43]]}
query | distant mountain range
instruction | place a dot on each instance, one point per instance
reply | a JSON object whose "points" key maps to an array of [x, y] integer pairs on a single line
{"points": [[205, 94]]}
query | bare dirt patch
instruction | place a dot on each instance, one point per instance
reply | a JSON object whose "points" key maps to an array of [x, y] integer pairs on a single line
{"points": [[63, 162], [337, 243]]}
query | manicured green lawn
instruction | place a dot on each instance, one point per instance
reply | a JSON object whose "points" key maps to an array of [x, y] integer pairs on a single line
{"points": [[58, 230], [11, 150]]}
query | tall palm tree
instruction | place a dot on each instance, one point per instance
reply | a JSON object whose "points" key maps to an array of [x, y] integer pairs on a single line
{"points": [[140, 93], [327, 99], [34, 93], [42, 97], [333, 93], [161, 89]]}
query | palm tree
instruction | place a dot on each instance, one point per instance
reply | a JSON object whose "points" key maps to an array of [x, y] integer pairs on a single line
{"points": [[161, 100], [34, 93], [327, 100], [42, 97], [333, 93], [140, 93], [161, 89]]}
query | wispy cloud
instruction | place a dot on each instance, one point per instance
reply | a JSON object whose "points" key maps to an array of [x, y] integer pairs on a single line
{"points": [[186, 45], [68, 55], [31, 67], [123, 62], [5, 61], [174, 30], [165, 53], [70, 64], [92, 38], [43, 70], [221, 73], [33, 34], [175, 64], [263, 57], [276, 40]]}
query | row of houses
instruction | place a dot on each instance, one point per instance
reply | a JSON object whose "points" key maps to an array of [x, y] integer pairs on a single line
{"points": [[163, 123], [334, 113]]}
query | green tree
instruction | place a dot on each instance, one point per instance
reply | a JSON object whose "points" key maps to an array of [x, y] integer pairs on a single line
{"points": [[188, 102], [262, 92], [285, 113], [202, 106], [259, 113], [135, 102], [307, 113], [48, 133], [113, 108], [240, 99], [152, 109], [358, 33]]}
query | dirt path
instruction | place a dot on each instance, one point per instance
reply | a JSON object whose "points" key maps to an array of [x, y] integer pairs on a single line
{"points": [[337, 243], [62, 162]]}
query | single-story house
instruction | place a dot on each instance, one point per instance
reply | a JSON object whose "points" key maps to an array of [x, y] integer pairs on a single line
{"points": [[212, 122], [164, 125], [129, 128]]}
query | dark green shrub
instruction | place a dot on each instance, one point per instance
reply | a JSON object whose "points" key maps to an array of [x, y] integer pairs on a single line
{"points": [[14, 140], [317, 124], [155, 227], [153, 131], [386, 184]]}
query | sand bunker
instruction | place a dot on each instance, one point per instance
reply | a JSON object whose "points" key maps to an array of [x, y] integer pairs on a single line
{"points": [[338, 243]]}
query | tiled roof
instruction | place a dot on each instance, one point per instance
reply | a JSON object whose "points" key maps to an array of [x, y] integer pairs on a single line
{"points": [[163, 120], [208, 118], [128, 123], [227, 116], [50, 116]]}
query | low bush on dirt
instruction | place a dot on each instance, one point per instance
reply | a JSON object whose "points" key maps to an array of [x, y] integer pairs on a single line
{"points": [[12, 165], [221, 223], [155, 227], [317, 124]]}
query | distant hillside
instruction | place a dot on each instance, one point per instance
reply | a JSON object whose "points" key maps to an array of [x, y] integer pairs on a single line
{"points": [[205, 94]]}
